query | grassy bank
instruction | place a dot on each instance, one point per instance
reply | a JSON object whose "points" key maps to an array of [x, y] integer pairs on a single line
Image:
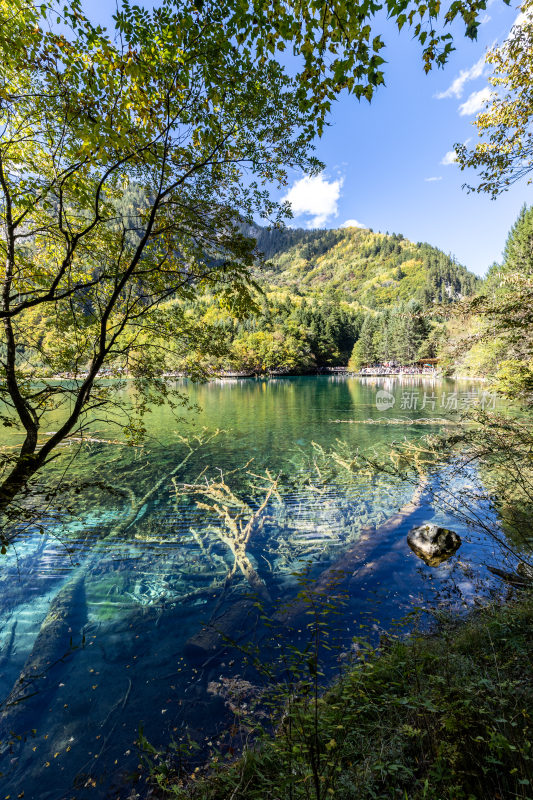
{"points": [[436, 717]]}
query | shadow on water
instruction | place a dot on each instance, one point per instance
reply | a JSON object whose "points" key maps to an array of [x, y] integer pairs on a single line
{"points": [[135, 630]]}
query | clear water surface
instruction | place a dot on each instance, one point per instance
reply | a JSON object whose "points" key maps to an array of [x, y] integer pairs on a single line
{"points": [[98, 611]]}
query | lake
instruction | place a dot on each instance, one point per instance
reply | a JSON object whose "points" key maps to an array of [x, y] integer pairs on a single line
{"points": [[104, 611]]}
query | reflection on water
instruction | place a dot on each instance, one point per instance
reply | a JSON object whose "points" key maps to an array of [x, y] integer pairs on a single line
{"points": [[98, 613]]}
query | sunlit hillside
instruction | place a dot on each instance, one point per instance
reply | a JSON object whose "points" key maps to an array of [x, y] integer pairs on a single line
{"points": [[374, 269]]}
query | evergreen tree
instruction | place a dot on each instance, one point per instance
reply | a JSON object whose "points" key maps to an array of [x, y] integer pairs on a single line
{"points": [[396, 335], [415, 331], [367, 348], [518, 253]]}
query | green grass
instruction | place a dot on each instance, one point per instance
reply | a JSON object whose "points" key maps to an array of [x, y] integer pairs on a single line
{"points": [[435, 717]]}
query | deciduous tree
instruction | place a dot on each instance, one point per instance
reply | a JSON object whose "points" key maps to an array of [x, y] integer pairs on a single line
{"points": [[126, 169], [504, 154]]}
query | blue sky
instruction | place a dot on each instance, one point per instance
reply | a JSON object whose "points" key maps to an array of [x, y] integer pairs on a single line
{"points": [[385, 162]]}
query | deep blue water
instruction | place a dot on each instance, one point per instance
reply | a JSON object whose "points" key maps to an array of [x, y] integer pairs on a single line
{"points": [[99, 627]]}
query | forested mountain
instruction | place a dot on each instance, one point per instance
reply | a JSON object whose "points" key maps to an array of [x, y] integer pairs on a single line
{"points": [[332, 294], [327, 296], [374, 269]]}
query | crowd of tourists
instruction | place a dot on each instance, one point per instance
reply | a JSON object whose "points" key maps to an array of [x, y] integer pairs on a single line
{"points": [[392, 368]]}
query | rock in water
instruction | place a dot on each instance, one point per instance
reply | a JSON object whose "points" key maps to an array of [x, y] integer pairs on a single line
{"points": [[433, 544]]}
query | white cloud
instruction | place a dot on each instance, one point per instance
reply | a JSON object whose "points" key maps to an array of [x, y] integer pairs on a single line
{"points": [[476, 102], [484, 19], [449, 158], [437, 177], [315, 196], [457, 86], [353, 223]]}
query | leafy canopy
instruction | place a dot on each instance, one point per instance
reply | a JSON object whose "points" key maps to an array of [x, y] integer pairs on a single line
{"points": [[504, 154], [338, 43], [127, 166]]}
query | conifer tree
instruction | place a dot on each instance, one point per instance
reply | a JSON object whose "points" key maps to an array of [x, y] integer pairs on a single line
{"points": [[367, 348]]}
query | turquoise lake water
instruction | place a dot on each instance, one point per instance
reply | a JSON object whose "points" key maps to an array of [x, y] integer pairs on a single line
{"points": [[102, 611]]}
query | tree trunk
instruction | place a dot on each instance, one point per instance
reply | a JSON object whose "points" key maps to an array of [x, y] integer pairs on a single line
{"points": [[18, 479]]}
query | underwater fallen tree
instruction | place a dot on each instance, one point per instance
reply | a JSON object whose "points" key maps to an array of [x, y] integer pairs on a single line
{"points": [[243, 616], [138, 503], [55, 641], [235, 623], [521, 579], [67, 614], [239, 522], [355, 558]]}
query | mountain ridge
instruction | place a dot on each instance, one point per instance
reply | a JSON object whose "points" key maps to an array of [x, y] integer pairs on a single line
{"points": [[376, 270]]}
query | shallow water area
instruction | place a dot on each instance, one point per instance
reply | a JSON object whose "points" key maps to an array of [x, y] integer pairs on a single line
{"points": [[97, 613]]}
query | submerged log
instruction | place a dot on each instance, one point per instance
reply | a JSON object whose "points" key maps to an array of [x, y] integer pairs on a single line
{"points": [[138, 503], [243, 563], [7, 648], [240, 619], [513, 578], [55, 642], [64, 619], [240, 522], [353, 560], [236, 622]]}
